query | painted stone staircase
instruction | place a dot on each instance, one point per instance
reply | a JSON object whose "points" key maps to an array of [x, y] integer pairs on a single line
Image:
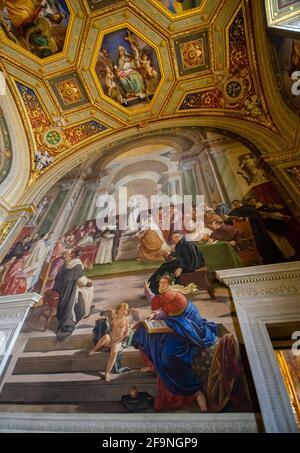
{"points": [[52, 372]]}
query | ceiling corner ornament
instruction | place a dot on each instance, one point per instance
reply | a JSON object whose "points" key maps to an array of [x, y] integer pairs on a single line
{"points": [[192, 53], [50, 138], [236, 87], [42, 160]]}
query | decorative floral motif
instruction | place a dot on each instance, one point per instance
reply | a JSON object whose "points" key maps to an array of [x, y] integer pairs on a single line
{"points": [[53, 137], [35, 112], [69, 91], [86, 130], [192, 54]]}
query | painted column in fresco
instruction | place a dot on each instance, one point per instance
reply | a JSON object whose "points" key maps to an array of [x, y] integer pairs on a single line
{"points": [[188, 177], [92, 204], [212, 190], [173, 178], [222, 195], [60, 224], [84, 207], [16, 223]]}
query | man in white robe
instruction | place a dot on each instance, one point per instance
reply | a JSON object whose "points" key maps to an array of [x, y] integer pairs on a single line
{"points": [[85, 288], [36, 259]]}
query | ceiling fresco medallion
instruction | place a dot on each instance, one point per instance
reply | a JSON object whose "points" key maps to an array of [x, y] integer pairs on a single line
{"points": [[127, 68], [192, 53], [69, 91], [180, 6], [234, 89], [53, 138], [39, 26]]}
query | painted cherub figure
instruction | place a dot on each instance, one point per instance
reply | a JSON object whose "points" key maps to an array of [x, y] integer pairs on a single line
{"points": [[120, 330], [146, 63]]}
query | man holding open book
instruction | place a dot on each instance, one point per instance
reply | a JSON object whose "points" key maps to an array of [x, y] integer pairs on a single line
{"points": [[169, 346]]}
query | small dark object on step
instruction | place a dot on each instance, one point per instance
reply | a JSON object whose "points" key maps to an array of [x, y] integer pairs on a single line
{"points": [[142, 402]]}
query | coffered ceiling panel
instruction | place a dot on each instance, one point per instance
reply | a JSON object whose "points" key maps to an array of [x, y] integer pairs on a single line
{"points": [[84, 69]]}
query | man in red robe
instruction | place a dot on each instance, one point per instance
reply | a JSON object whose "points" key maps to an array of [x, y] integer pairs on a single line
{"points": [[171, 354], [14, 280]]}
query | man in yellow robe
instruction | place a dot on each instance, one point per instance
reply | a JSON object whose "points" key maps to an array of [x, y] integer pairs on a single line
{"points": [[22, 12]]}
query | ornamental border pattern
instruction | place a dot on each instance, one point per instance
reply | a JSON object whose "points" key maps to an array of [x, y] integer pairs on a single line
{"points": [[129, 423]]}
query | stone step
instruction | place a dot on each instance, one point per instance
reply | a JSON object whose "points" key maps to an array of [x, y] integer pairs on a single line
{"points": [[60, 392], [78, 362], [47, 344]]}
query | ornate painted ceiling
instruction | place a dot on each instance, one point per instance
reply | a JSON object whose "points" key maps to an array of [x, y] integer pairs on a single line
{"points": [[82, 70]]}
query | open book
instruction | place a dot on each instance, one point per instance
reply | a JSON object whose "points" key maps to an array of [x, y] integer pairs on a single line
{"points": [[156, 326]]}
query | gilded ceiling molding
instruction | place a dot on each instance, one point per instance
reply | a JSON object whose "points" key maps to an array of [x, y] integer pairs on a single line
{"points": [[284, 118], [282, 14], [51, 139], [166, 21], [103, 6], [237, 90]]}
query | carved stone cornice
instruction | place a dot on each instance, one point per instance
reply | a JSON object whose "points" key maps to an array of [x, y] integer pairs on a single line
{"points": [[13, 312], [265, 295], [258, 274]]}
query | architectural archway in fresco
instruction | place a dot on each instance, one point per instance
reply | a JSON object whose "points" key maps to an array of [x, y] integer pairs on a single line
{"points": [[215, 163], [6, 155], [39, 26]]}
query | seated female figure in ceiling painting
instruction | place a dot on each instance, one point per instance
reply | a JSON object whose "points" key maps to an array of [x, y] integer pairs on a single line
{"points": [[180, 6], [127, 68]]}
